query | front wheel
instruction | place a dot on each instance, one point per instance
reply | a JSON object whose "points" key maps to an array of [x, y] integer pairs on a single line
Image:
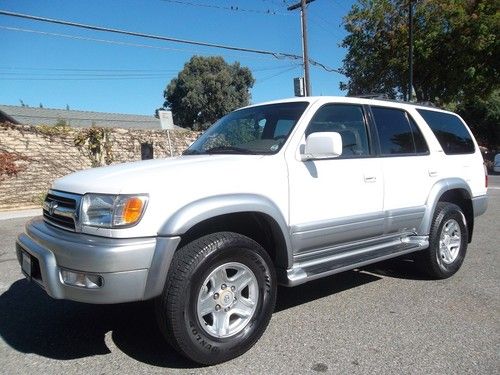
{"points": [[448, 241], [219, 297]]}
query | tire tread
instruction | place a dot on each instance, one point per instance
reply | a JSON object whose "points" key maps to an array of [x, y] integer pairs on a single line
{"points": [[184, 260]]}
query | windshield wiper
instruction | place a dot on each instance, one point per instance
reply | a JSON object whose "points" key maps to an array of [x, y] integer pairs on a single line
{"points": [[192, 152], [229, 150]]}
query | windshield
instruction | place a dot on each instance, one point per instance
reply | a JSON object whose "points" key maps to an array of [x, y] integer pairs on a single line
{"points": [[256, 130]]}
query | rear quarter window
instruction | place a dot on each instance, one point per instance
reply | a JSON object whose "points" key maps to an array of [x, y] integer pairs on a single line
{"points": [[450, 131]]}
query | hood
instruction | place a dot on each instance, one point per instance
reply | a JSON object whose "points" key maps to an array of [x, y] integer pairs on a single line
{"points": [[157, 174]]}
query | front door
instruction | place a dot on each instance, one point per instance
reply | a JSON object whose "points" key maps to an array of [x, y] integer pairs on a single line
{"points": [[337, 200]]}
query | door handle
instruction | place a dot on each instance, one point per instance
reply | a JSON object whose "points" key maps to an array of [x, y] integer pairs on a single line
{"points": [[433, 173], [370, 179]]}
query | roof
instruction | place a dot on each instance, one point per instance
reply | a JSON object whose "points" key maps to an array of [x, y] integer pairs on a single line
{"points": [[49, 116], [354, 99]]}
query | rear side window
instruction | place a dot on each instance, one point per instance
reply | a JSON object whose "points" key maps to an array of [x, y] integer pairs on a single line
{"points": [[397, 132], [449, 131]]}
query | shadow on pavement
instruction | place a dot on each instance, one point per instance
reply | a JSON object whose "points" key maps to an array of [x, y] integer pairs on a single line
{"points": [[32, 322], [397, 268], [291, 297]]}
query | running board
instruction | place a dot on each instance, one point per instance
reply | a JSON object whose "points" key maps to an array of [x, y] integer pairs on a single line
{"points": [[312, 269]]}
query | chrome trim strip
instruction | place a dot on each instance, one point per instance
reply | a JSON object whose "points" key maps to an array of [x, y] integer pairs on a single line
{"points": [[65, 212]]}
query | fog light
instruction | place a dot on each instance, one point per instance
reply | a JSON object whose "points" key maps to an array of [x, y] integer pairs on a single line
{"points": [[81, 280]]}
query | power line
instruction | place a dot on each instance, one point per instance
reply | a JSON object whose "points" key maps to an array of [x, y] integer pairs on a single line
{"points": [[342, 5], [232, 8], [328, 29], [120, 43], [14, 74], [118, 77], [275, 2], [278, 55], [18, 70], [76, 37], [259, 81], [78, 79], [148, 36], [86, 70]]}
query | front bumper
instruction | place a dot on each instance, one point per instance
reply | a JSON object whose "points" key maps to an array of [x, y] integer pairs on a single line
{"points": [[132, 269]]}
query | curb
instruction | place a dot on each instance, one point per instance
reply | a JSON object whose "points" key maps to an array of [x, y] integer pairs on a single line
{"points": [[6, 215]]}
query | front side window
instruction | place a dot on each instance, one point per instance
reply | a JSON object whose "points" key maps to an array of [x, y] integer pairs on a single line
{"points": [[397, 132], [450, 132], [348, 121], [255, 130]]}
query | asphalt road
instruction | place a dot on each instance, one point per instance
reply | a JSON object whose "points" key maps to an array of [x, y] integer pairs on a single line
{"points": [[383, 319]]}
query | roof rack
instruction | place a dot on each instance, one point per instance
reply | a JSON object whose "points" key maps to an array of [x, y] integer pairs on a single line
{"points": [[371, 96], [384, 97]]}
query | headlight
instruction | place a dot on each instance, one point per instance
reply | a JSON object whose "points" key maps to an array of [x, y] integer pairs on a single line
{"points": [[111, 211]]}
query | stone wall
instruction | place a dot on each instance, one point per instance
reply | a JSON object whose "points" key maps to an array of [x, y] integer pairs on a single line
{"points": [[32, 157]]}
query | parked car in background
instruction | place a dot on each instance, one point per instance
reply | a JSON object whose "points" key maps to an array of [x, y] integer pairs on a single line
{"points": [[496, 164]]}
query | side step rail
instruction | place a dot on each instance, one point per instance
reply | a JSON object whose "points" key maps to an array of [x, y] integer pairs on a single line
{"points": [[307, 270]]}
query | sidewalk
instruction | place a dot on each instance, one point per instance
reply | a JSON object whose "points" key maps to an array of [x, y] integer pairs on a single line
{"points": [[6, 215]]}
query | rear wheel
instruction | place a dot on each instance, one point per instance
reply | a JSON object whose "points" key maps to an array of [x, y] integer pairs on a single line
{"points": [[448, 241], [219, 297]]}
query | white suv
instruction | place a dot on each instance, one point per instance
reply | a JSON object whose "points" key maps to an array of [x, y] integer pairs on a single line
{"points": [[284, 192]]}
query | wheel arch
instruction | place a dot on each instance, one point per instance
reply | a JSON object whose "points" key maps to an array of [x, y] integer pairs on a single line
{"points": [[254, 216], [453, 190]]}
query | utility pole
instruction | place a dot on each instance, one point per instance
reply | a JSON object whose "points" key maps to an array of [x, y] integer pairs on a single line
{"points": [[410, 50], [305, 55]]}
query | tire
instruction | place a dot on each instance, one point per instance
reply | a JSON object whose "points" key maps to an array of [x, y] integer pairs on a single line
{"points": [[448, 241], [218, 299]]}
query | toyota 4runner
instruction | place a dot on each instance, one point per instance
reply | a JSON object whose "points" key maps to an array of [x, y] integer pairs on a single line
{"points": [[279, 193]]}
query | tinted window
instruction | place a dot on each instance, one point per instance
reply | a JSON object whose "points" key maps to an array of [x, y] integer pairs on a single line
{"points": [[348, 121], [450, 132], [283, 128], [397, 132], [418, 138]]}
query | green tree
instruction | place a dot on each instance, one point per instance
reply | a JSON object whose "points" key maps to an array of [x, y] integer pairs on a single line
{"points": [[207, 89], [456, 49], [483, 117]]}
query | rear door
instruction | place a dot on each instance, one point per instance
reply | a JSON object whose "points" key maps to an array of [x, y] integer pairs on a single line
{"points": [[407, 168]]}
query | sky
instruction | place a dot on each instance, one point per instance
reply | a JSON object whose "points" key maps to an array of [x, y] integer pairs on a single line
{"points": [[59, 66]]}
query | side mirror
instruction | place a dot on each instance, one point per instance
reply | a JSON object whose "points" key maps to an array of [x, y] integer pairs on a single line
{"points": [[322, 145]]}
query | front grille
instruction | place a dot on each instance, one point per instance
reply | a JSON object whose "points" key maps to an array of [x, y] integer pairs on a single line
{"points": [[61, 209]]}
